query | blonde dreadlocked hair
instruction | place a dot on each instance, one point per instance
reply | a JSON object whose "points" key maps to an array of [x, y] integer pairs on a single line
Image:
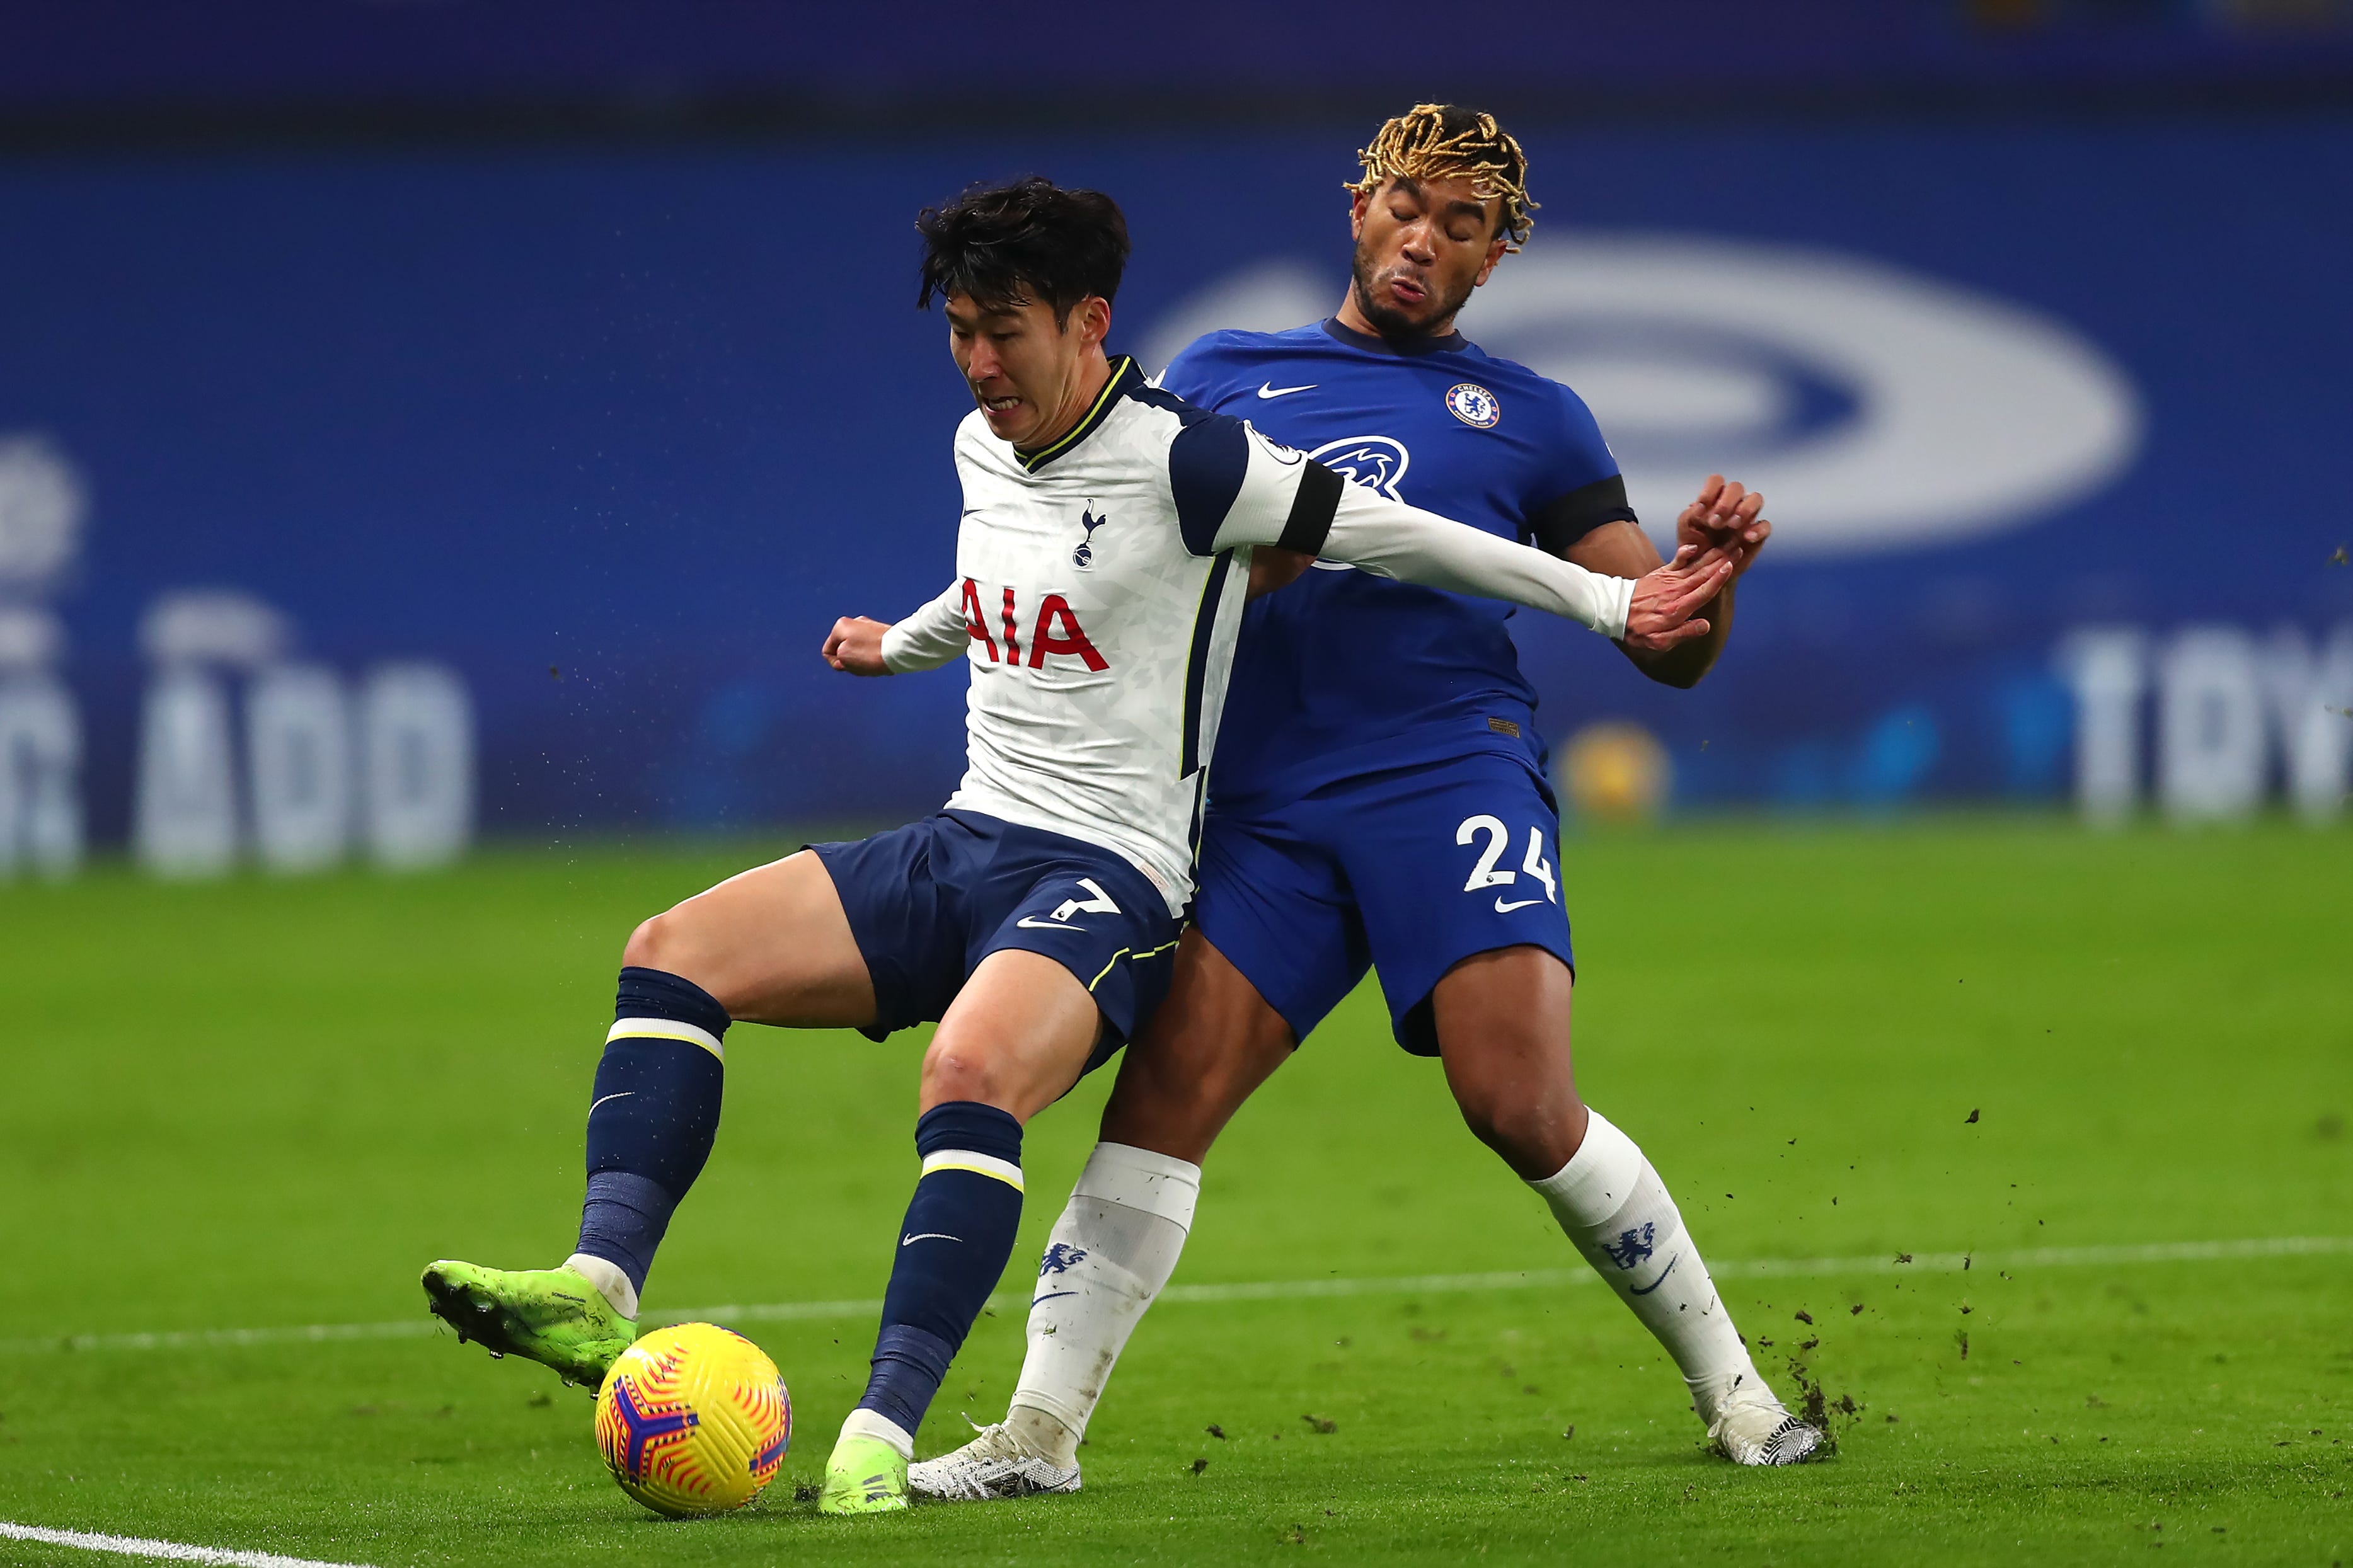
{"points": [[1441, 141]]}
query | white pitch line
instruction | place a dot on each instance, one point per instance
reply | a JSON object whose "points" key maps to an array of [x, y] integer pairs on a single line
{"points": [[176, 1551], [1293, 1290]]}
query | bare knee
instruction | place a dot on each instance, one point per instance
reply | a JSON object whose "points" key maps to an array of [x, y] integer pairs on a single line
{"points": [[676, 942], [962, 1070], [1535, 1135], [658, 944]]}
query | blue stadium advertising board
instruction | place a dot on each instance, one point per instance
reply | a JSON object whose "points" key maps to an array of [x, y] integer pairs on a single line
{"points": [[365, 499]]}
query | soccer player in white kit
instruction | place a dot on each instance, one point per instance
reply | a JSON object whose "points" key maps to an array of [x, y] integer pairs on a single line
{"points": [[1102, 563]]}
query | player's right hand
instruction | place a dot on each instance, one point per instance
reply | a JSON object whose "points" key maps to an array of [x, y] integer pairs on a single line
{"points": [[854, 647], [1728, 513], [1667, 600]]}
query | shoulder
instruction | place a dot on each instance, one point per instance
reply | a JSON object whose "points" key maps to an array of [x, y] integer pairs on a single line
{"points": [[1564, 426], [1217, 364], [973, 439], [1148, 400]]}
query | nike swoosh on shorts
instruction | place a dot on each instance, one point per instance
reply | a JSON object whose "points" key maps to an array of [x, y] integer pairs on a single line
{"points": [[1034, 923], [1503, 909], [928, 1235]]}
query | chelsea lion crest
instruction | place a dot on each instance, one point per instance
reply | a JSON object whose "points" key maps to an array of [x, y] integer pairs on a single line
{"points": [[1474, 404]]}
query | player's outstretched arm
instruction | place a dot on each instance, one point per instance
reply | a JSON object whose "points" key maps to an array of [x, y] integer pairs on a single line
{"points": [[1371, 531], [924, 640], [1233, 488]]}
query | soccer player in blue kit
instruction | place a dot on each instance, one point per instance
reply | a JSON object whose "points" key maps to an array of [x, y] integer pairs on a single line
{"points": [[1388, 809], [1094, 609]]}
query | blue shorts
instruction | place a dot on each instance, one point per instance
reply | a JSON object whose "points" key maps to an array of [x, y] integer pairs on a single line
{"points": [[928, 902], [1413, 871]]}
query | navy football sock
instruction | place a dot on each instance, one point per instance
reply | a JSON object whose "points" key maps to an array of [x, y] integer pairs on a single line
{"points": [[652, 1118], [952, 1251]]}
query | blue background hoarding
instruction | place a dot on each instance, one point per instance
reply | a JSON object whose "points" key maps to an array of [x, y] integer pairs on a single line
{"points": [[616, 432]]}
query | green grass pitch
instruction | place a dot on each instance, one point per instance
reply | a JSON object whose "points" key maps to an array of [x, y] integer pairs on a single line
{"points": [[257, 1104]]}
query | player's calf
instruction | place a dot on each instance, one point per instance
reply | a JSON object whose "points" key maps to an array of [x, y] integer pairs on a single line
{"points": [[952, 1249], [1616, 1212]]}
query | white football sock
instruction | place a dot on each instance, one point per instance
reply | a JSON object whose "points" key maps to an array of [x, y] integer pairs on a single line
{"points": [[871, 1424], [1618, 1213], [1110, 1252], [610, 1281]]}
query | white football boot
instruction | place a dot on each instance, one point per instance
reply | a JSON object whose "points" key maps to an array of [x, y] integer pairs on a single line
{"points": [[996, 1464], [1754, 1429]]}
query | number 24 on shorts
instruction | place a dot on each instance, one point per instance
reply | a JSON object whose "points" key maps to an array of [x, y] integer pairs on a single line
{"points": [[1485, 873]]}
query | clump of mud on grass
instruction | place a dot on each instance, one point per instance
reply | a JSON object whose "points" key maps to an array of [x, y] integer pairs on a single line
{"points": [[1831, 1418]]}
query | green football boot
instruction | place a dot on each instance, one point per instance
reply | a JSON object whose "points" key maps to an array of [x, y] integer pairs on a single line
{"points": [[551, 1316], [865, 1475]]}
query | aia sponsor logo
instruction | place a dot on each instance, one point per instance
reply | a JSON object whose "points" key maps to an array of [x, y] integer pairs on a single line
{"points": [[1053, 628]]}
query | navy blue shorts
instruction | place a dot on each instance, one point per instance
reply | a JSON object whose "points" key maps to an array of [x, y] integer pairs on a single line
{"points": [[928, 902], [1411, 871]]}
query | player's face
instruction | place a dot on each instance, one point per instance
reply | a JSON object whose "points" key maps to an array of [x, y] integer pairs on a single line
{"points": [[1024, 369], [1421, 247]]}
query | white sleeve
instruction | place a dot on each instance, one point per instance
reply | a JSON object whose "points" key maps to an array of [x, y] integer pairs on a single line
{"points": [[1283, 500], [930, 638], [1377, 534]]}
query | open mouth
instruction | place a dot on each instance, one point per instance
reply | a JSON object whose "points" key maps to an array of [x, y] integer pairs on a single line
{"points": [[1407, 291]]}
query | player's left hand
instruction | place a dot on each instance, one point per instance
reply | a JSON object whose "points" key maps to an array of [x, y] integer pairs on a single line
{"points": [[854, 647], [1726, 516]]}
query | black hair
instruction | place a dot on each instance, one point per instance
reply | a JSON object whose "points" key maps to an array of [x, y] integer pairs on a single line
{"points": [[1006, 245]]}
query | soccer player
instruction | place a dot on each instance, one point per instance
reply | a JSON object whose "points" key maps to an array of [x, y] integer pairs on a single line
{"points": [[1390, 812], [1102, 563]]}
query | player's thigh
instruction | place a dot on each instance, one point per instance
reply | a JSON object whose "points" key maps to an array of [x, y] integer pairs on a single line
{"points": [[1211, 1043], [1502, 1018], [1016, 1037], [1280, 915], [1447, 861], [771, 945]]}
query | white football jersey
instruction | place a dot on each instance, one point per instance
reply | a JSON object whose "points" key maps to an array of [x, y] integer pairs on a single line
{"points": [[1099, 592]]}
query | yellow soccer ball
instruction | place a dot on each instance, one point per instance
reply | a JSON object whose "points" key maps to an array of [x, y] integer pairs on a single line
{"points": [[693, 1419]]}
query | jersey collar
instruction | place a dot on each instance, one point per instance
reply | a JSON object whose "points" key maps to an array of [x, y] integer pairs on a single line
{"points": [[1124, 378], [1411, 347]]}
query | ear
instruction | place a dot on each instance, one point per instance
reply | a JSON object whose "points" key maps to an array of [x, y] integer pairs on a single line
{"points": [[1360, 203], [1494, 255], [1093, 316]]}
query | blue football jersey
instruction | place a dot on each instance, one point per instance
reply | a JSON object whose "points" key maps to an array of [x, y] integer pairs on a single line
{"points": [[1344, 672]]}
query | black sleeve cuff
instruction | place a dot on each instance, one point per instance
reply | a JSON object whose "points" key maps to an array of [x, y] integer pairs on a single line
{"points": [[1311, 510], [1562, 522]]}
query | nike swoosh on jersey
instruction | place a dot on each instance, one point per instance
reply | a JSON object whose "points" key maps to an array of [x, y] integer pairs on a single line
{"points": [[928, 1235], [1034, 923], [1266, 389], [1503, 909]]}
